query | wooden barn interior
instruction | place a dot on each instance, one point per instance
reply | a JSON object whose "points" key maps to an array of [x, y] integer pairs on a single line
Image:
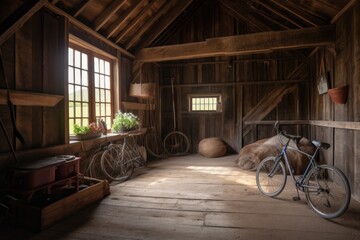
{"points": [[262, 62]]}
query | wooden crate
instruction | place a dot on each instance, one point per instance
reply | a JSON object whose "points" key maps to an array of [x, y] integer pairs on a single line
{"points": [[38, 219]]}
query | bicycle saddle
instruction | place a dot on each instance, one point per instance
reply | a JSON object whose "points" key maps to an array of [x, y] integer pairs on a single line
{"points": [[321, 144]]}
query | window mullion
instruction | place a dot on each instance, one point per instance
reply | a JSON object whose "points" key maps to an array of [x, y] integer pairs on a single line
{"points": [[91, 89]]}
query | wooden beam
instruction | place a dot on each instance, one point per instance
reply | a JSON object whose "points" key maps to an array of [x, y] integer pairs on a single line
{"points": [[342, 11], [165, 10], [242, 44], [170, 12], [17, 19], [243, 16], [107, 13], [129, 12], [134, 22], [84, 4], [137, 106], [331, 124], [306, 17], [276, 12], [21, 98], [88, 29]]}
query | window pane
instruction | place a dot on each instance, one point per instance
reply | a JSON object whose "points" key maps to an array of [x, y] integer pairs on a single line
{"points": [[97, 84], [71, 57], [108, 121], [96, 65], [97, 93], [107, 82], [97, 109], [77, 59], [102, 110], [84, 76], [101, 66], [84, 61], [71, 126], [206, 104], [71, 109], [77, 76], [108, 109], [71, 93], [85, 122], [71, 75], [78, 121], [102, 95], [77, 93], [107, 68], [102, 84], [107, 96], [85, 110], [85, 97], [78, 109]]}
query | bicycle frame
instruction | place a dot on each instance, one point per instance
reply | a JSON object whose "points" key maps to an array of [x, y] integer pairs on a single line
{"points": [[283, 155]]}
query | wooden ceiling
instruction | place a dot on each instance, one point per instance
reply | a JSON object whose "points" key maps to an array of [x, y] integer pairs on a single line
{"points": [[136, 24]]}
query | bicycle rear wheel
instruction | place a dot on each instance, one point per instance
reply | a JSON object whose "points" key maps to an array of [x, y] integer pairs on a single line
{"points": [[154, 145], [271, 176], [176, 143], [94, 168], [327, 191], [116, 164]]}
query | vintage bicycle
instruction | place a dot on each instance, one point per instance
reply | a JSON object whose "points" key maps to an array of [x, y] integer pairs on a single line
{"points": [[326, 188]]}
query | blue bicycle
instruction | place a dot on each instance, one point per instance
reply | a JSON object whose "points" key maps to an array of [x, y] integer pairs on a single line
{"points": [[326, 188]]}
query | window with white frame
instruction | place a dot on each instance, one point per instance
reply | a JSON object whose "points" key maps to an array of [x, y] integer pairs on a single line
{"points": [[205, 103], [89, 87]]}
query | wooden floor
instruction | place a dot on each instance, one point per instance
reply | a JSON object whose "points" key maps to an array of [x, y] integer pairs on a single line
{"points": [[193, 197]]}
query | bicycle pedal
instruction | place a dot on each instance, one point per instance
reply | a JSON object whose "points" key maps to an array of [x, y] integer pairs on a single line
{"points": [[296, 198]]}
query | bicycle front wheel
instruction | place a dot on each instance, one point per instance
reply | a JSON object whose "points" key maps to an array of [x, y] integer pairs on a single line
{"points": [[327, 191], [271, 176], [116, 164], [176, 143]]}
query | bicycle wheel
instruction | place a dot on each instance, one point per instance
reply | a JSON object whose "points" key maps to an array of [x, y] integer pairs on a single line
{"points": [[94, 168], [116, 164], [327, 191], [176, 143], [271, 181], [154, 145]]}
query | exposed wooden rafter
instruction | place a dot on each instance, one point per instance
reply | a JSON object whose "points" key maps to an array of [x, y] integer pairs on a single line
{"points": [[343, 10], [268, 18], [150, 23], [84, 4], [278, 13], [135, 21], [107, 13], [306, 17], [240, 14], [170, 12], [16, 20], [242, 44], [88, 29], [119, 23]]}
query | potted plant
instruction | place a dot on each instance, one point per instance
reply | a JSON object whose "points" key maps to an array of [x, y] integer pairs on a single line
{"points": [[125, 121], [86, 132]]}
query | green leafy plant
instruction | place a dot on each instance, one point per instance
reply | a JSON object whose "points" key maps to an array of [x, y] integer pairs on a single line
{"points": [[125, 121], [91, 128]]}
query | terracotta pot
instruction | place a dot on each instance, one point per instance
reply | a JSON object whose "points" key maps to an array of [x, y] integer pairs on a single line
{"points": [[339, 94]]}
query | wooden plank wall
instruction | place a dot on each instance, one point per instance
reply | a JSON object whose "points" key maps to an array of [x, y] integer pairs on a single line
{"points": [[344, 68], [35, 61], [242, 81]]}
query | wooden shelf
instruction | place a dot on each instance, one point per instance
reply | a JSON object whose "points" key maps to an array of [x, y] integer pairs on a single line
{"points": [[21, 98]]}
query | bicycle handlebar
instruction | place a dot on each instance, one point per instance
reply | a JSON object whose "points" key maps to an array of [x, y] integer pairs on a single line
{"points": [[296, 138]]}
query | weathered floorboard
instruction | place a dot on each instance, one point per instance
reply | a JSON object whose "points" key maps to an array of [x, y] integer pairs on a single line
{"points": [[192, 197]]}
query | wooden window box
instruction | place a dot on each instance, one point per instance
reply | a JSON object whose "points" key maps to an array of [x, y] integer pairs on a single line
{"points": [[39, 218]]}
